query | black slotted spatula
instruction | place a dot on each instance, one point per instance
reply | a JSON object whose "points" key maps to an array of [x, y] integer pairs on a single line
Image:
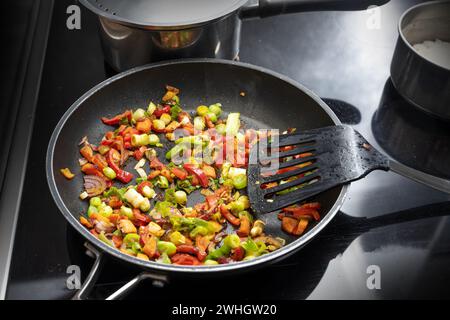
{"points": [[310, 162]]}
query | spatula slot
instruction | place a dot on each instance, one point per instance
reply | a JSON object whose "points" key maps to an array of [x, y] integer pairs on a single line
{"points": [[297, 161], [312, 174], [295, 139], [282, 155], [288, 172]]}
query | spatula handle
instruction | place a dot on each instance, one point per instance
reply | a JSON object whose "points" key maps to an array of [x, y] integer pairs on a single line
{"points": [[418, 176]]}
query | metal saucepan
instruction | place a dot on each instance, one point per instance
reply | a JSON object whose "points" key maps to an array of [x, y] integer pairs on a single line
{"points": [[420, 80], [138, 32]]}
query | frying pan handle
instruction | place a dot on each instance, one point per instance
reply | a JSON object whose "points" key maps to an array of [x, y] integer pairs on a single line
{"points": [[83, 293], [267, 8], [418, 176], [92, 277], [158, 280]]}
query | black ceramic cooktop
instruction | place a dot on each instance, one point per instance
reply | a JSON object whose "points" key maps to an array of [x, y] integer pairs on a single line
{"points": [[387, 223]]}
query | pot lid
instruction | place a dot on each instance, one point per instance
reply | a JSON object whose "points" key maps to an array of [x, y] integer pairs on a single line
{"points": [[164, 14]]}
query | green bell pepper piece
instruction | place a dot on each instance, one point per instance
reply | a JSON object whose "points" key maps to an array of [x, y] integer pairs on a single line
{"points": [[130, 238], [103, 238], [233, 124], [162, 182], [167, 247], [164, 258]]}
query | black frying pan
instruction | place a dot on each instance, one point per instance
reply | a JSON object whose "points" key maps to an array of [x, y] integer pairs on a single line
{"points": [[271, 101]]}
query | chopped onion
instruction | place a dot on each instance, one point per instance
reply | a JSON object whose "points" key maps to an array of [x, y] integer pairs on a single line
{"points": [[84, 195], [185, 120], [150, 154], [141, 173], [82, 161], [84, 140], [102, 226], [206, 192], [281, 240], [140, 164], [94, 185]]}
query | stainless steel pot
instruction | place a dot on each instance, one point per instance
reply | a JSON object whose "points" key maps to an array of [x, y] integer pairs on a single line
{"points": [[419, 80], [142, 31]]}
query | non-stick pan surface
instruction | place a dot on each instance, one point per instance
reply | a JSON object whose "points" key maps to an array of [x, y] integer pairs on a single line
{"points": [[271, 101]]}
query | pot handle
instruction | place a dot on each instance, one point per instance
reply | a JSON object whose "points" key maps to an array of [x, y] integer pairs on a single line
{"points": [[267, 8]]}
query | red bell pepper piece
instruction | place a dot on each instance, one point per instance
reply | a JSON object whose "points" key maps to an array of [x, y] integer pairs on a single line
{"points": [[225, 150], [121, 146], [189, 127], [129, 131], [229, 216], [114, 202], [160, 111], [184, 259], [140, 219], [311, 205], [289, 224], [303, 155], [294, 226], [212, 201], [115, 217], [203, 179], [116, 120], [179, 173], [250, 137], [91, 169], [144, 126], [127, 137], [238, 254], [124, 176], [121, 175], [223, 260], [87, 153], [166, 173], [208, 122], [107, 142], [156, 164], [153, 174], [159, 130], [209, 171], [182, 115], [121, 129], [195, 181], [109, 183], [99, 161], [201, 255], [127, 145], [139, 153], [244, 228], [117, 240], [299, 212], [143, 184], [185, 248], [109, 135]]}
